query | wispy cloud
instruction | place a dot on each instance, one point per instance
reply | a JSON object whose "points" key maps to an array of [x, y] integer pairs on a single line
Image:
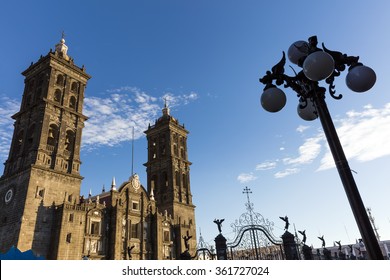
{"points": [[308, 152], [8, 107], [364, 135], [266, 165], [302, 128], [112, 117], [246, 177], [286, 172], [176, 100]]}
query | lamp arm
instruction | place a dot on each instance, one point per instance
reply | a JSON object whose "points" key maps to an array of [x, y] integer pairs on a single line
{"points": [[340, 62], [300, 83]]}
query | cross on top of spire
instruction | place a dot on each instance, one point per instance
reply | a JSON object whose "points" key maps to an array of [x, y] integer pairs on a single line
{"points": [[249, 205], [165, 102], [247, 190], [61, 48], [165, 110]]}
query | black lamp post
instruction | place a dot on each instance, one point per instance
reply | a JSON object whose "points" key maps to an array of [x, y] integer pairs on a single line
{"points": [[322, 64]]}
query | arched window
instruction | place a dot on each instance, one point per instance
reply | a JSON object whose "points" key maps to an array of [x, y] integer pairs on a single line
{"points": [[38, 93], [175, 150], [185, 181], [162, 146], [57, 96], [177, 175], [69, 238], [95, 227], [29, 98], [165, 178], [19, 142], [30, 135], [74, 87], [69, 140], [31, 86], [60, 80], [72, 102], [52, 136], [153, 149], [153, 183], [41, 77]]}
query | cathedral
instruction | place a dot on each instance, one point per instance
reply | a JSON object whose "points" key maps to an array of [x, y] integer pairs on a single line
{"points": [[41, 208]]}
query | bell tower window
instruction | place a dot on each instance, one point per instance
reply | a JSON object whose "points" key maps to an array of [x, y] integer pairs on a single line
{"points": [[162, 146], [72, 102], [74, 87], [30, 135], [31, 86], [175, 150], [29, 99], [69, 140], [165, 177], [60, 80], [38, 93], [18, 143], [53, 131], [153, 149], [57, 96]]}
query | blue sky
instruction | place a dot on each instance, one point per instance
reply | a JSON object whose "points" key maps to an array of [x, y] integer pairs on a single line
{"points": [[206, 57]]}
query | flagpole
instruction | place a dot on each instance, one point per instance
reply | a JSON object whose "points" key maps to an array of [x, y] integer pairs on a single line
{"points": [[132, 154]]}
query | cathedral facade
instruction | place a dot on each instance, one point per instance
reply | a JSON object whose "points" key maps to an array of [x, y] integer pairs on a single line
{"points": [[41, 208]]}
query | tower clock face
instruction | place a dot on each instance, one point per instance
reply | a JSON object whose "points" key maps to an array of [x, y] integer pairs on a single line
{"points": [[8, 196]]}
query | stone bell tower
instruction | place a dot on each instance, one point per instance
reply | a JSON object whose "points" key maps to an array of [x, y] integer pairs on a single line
{"points": [[43, 166], [168, 175]]}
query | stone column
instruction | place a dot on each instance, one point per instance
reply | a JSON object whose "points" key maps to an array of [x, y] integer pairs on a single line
{"points": [[220, 244], [290, 247]]}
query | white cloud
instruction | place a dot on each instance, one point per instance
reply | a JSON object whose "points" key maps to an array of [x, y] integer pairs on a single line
{"points": [[286, 172], [266, 165], [176, 100], [364, 135], [302, 128], [112, 117], [246, 177], [8, 107], [308, 152]]}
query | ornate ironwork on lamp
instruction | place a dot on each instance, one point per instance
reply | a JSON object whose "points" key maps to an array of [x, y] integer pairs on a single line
{"points": [[317, 65]]}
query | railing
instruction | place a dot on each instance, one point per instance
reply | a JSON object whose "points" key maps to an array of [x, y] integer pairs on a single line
{"points": [[74, 207], [50, 148]]}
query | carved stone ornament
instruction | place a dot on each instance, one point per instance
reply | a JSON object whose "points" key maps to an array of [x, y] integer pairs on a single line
{"points": [[135, 183]]}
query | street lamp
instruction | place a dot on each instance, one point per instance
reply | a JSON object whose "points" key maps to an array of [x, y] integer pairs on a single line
{"points": [[323, 64]]}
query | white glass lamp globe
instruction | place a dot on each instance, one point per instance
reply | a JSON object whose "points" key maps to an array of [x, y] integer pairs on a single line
{"points": [[308, 113], [273, 99], [360, 78], [318, 65], [297, 50]]}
